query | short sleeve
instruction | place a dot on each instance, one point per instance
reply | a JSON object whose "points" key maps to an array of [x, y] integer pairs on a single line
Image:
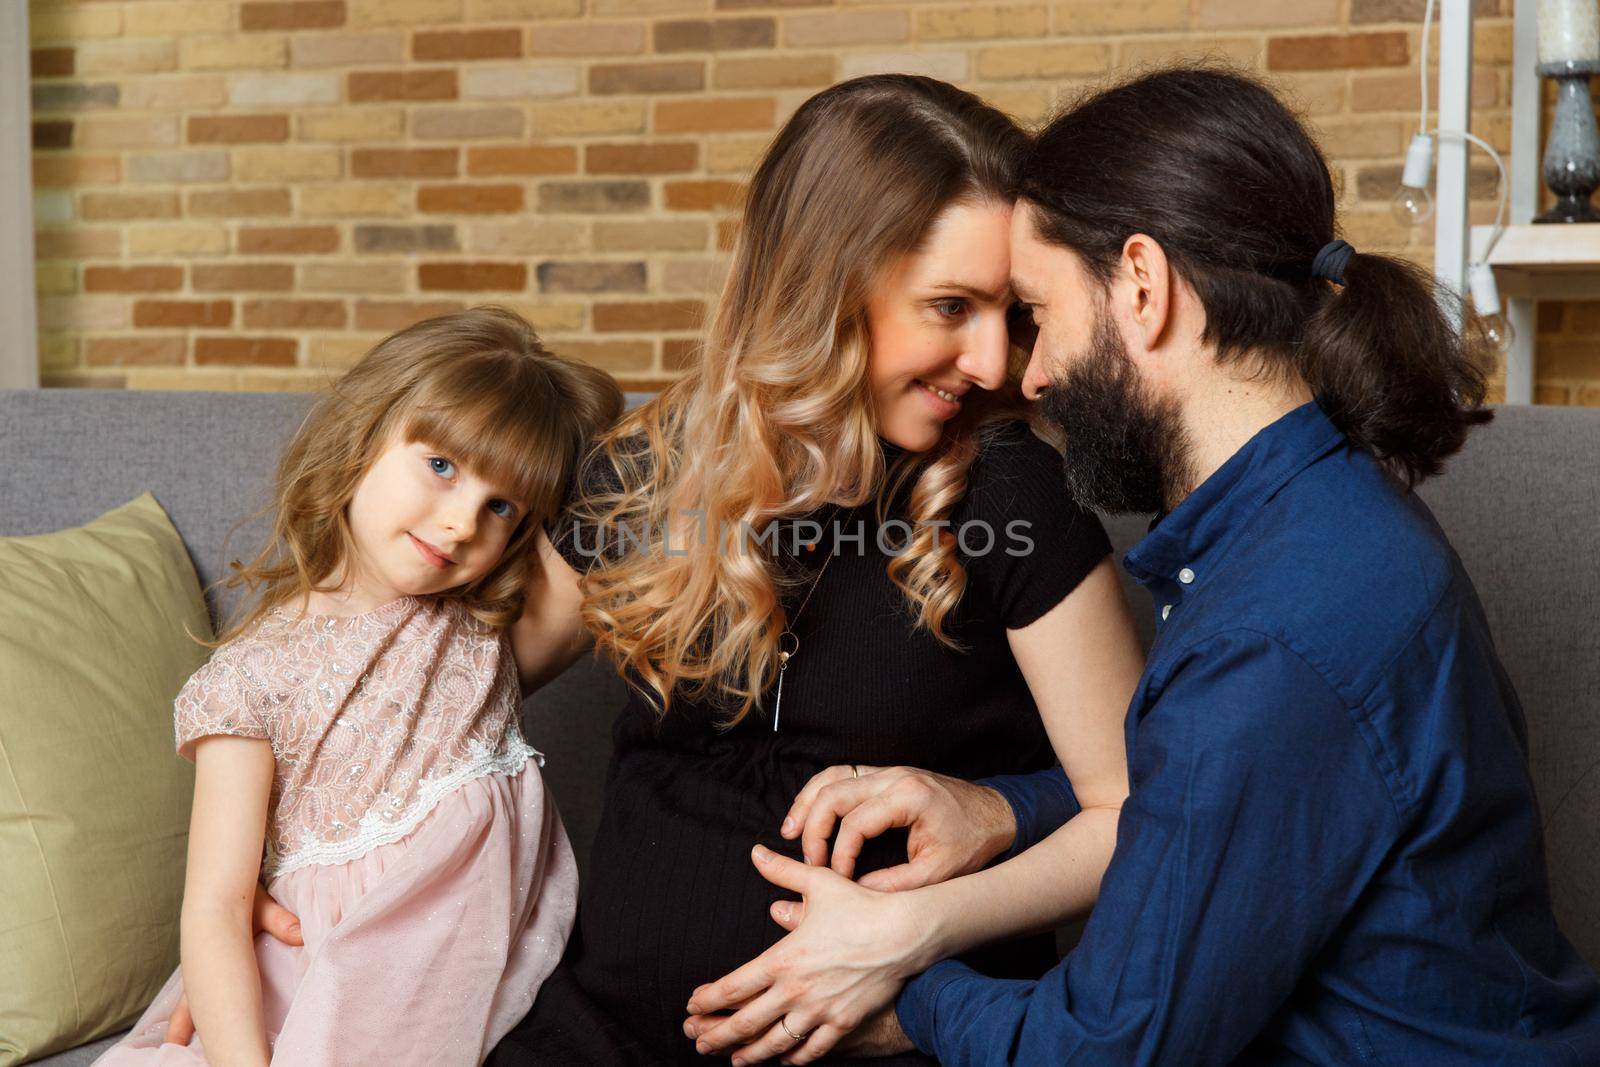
{"points": [[1026, 543], [217, 699], [580, 540]]}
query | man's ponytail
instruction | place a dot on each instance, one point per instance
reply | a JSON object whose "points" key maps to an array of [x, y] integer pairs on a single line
{"points": [[1391, 369]]}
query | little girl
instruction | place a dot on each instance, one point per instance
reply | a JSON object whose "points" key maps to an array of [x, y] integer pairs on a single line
{"points": [[361, 721]]}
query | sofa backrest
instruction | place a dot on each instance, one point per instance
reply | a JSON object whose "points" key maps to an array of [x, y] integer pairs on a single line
{"points": [[1521, 505]]}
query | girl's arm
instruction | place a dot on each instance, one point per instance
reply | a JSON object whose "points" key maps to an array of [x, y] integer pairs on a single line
{"points": [[233, 779], [550, 635]]}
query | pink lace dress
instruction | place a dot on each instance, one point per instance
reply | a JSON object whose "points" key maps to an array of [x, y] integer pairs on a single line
{"points": [[408, 828]]}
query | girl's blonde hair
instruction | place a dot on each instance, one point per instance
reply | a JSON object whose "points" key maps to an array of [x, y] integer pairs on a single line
{"points": [[477, 385], [775, 418]]}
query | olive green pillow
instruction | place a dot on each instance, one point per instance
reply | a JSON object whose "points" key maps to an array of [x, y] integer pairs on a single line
{"points": [[94, 802]]}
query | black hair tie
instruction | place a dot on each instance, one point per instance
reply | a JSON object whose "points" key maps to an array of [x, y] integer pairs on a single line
{"points": [[1331, 261]]}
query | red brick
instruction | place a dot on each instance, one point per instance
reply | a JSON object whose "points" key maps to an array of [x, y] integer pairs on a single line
{"points": [[1337, 51], [293, 314], [368, 85], [704, 195], [664, 158], [51, 62], [521, 159], [288, 239], [135, 351], [679, 355], [403, 163], [649, 316], [710, 116], [52, 134], [292, 15], [618, 357], [241, 277], [710, 35], [237, 129], [467, 44], [131, 279], [121, 206], [246, 351], [49, 171], [398, 314], [469, 199], [212, 313], [472, 277], [669, 77], [239, 203]]}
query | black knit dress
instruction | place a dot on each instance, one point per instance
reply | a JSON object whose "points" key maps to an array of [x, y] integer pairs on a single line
{"points": [[671, 899]]}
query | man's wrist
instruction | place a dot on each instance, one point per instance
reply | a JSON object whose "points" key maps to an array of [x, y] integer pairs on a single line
{"points": [[999, 820]]}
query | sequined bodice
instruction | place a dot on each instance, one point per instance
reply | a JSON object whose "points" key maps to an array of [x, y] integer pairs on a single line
{"points": [[372, 718]]}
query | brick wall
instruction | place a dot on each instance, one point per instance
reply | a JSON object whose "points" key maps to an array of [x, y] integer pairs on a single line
{"points": [[246, 195]]}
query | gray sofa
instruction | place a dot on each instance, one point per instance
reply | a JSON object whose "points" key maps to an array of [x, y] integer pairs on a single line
{"points": [[1522, 506]]}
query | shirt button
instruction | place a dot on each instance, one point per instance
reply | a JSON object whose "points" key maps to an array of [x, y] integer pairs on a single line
{"points": [[1186, 576], [1166, 609]]}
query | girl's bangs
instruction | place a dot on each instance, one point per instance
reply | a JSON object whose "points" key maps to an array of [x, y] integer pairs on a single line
{"points": [[500, 438]]}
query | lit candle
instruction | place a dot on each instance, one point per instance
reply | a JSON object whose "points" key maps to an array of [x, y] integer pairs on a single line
{"points": [[1569, 31]]}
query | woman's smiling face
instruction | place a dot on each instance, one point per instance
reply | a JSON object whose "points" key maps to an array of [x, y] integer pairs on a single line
{"points": [[937, 324]]}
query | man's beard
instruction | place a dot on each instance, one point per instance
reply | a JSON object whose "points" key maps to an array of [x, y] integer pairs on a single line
{"points": [[1126, 451]]}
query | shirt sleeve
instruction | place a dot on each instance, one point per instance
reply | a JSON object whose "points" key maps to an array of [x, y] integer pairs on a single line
{"points": [[1026, 543], [1041, 803], [217, 699], [1257, 816]]}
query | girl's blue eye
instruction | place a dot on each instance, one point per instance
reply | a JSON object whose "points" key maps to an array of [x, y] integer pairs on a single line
{"points": [[441, 466], [510, 508], [956, 306]]}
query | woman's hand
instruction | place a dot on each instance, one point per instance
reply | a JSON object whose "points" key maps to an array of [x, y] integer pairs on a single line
{"points": [[955, 827], [266, 916], [848, 953]]}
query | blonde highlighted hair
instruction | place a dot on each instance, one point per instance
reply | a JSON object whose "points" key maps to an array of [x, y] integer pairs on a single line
{"points": [[775, 418], [476, 385]]}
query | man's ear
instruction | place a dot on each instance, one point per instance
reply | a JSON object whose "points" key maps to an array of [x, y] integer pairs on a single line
{"points": [[1147, 282]]}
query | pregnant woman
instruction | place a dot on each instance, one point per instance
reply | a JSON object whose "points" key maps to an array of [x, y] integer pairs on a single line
{"points": [[835, 543]]}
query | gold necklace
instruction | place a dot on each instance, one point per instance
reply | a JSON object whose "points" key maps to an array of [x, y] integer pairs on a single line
{"points": [[785, 654]]}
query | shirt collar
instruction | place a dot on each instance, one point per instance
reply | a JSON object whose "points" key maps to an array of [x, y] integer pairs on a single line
{"points": [[1186, 539]]}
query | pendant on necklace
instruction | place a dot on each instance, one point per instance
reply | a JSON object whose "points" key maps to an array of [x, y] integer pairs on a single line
{"points": [[783, 665]]}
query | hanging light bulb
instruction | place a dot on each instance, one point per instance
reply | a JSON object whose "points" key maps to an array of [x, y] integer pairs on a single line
{"points": [[1486, 302], [1413, 204]]}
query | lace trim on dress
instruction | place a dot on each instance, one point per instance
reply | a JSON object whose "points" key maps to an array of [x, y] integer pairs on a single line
{"points": [[377, 828]]}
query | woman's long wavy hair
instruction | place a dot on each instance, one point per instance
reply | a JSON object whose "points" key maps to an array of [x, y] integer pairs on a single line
{"points": [[476, 385], [775, 418]]}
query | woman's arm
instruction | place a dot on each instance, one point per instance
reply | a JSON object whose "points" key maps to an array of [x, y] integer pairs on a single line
{"points": [[1081, 660], [550, 635], [233, 779], [851, 948]]}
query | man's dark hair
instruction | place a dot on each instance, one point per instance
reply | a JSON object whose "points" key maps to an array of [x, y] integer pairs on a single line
{"points": [[1223, 175]]}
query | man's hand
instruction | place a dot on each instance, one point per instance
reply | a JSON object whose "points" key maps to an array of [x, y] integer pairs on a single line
{"points": [[269, 916], [880, 1035], [955, 827], [848, 953]]}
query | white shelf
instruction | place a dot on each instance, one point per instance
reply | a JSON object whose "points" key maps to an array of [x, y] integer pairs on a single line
{"points": [[1554, 248], [1560, 261]]}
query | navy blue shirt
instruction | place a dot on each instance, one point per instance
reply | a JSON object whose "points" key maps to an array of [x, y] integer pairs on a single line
{"points": [[1331, 853]]}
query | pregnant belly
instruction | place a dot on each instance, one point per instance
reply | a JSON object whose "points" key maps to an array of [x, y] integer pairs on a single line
{"points": [[672, 900]]}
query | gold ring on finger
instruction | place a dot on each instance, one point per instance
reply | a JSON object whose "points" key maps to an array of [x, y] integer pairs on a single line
{"points": [[783, 1021]]}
